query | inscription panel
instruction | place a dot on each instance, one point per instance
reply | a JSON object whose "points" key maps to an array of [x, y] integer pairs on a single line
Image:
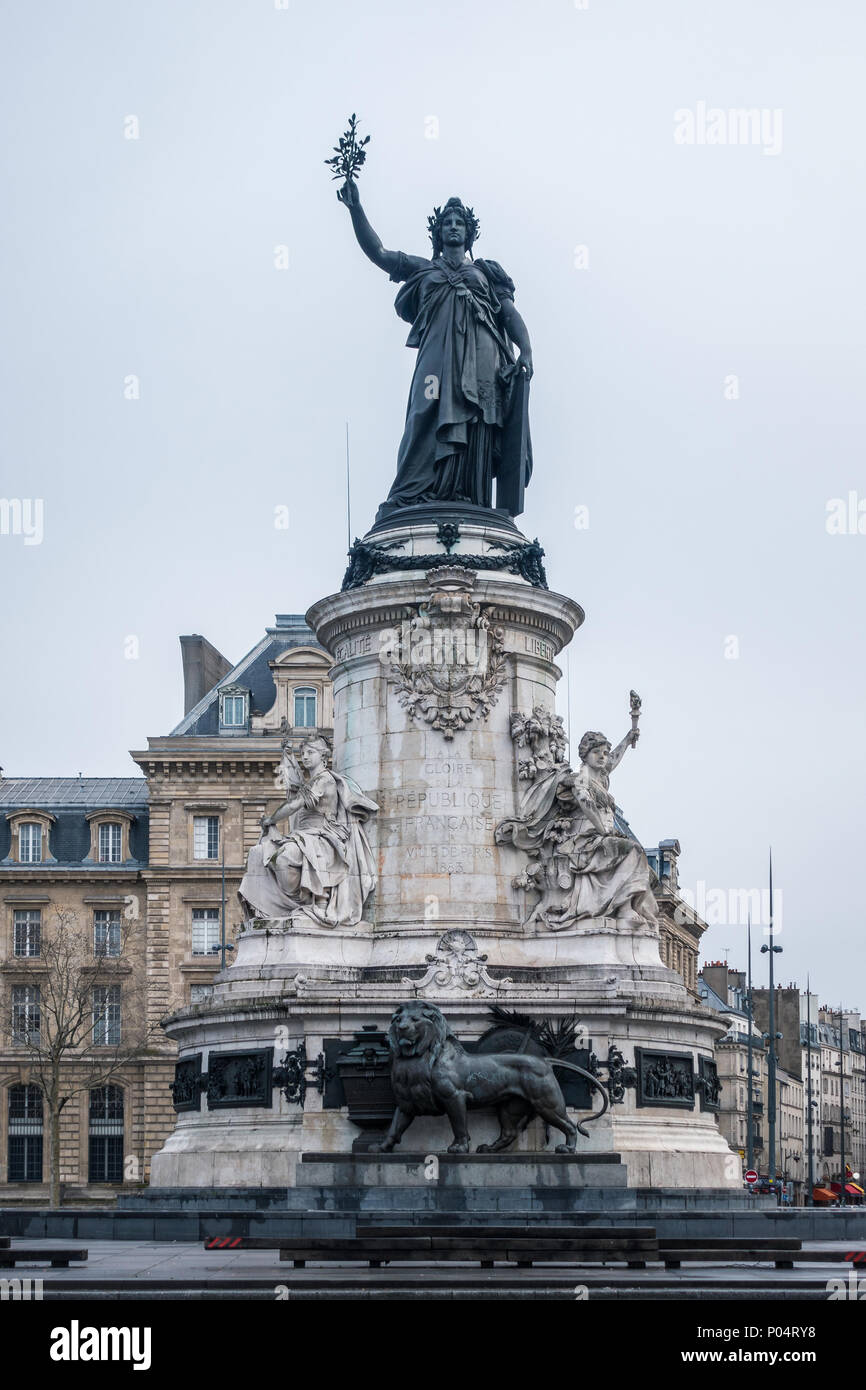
{"points": [[537, 646], [353, 646]]}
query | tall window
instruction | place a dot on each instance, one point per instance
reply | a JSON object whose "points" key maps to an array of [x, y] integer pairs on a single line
{"points": [[25, 1134], [106, 1015], [26, 1020], [234, 711], [105, 1138], [206, 837], [27, 931], [110, 835], [305, 708], [30, 842], [205, 930], [106, 932]]}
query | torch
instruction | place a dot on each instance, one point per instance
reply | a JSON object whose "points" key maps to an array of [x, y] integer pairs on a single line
{"points": [[634, 710]]}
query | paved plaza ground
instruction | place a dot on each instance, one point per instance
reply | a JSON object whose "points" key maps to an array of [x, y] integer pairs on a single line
{"points": [[169, 1270]]}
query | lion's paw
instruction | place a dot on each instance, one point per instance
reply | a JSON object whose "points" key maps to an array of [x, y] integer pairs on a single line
{"points": [[484, 1149], [565, 1149], [459, 1147]]}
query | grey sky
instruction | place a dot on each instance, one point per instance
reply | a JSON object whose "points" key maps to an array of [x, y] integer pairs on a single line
{"points": [[155, 257]]}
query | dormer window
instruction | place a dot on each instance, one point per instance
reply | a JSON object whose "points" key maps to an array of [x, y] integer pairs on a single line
{"points": [[30, 836], [234, 708], [305, 708], [30, 842], [110, 842], [109, 836]]}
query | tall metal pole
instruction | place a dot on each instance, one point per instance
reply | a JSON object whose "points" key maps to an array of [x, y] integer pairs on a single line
{"points": [[842, 1184], [750, 1109], [223, 903], [771, 1081], [348, 494], [809, 1199]]}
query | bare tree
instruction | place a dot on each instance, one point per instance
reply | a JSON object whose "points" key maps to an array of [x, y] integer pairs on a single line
{"points": [[84, 1017]]}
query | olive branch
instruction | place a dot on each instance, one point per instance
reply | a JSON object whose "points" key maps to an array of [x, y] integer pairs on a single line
{"points": [[349, 156]]}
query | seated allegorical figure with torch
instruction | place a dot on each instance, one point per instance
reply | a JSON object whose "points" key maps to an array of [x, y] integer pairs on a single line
{"points": [[580, 863]]}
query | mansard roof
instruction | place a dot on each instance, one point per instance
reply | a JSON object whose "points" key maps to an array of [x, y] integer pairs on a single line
{"points": [[69, 800], [87, 793], [252, 673]]}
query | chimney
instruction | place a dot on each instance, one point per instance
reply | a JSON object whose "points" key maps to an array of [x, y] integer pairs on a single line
{"points": [[715, 974], [203, 668], [669, 853]]}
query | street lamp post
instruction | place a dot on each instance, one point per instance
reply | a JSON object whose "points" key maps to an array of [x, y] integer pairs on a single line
{"points": [[772, 950], [811, 1175], [750, 1104], [842, 1183]]}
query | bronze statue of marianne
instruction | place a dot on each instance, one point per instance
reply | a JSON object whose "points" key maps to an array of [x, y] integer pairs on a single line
{"points": [[467, 417]]}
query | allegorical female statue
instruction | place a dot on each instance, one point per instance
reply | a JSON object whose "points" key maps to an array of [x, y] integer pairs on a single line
{"points": [[324, 864], [580, 864], [467, 421]]}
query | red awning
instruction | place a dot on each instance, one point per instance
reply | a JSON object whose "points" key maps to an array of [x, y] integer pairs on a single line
{"points": [[822, 1194], [851, 1188]]}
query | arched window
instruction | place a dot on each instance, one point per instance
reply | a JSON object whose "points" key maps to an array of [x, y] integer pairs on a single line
{"points": [[105, 1158], [305, 708], [110, 842], [25, 1134], [30, 842]]}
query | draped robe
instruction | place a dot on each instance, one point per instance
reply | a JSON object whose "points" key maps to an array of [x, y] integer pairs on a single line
{"points": [[462, 385]]}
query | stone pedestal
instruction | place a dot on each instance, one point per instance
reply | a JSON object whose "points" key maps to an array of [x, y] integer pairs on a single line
{"points": [[446, 922]]}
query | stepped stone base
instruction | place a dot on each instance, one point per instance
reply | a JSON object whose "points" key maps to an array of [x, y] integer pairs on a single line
{"points": [[468, 1171]]}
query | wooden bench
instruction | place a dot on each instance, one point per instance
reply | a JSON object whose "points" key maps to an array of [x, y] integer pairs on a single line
{"points": [[58, 1256], [520, 1245], [782, 1251]]}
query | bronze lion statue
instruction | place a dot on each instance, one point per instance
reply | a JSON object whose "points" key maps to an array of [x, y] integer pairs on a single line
{"points": [[433, 1074]]}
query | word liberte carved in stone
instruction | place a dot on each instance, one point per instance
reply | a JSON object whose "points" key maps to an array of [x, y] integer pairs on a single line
{"points": [[581, 865], [448, 662]]}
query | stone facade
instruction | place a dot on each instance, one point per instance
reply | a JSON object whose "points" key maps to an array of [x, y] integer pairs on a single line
{"points": [[206, 770], [87, 860], [681, 927]]}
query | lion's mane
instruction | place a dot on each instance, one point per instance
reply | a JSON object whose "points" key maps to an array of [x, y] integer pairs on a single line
{"points": [[411, 1071]]}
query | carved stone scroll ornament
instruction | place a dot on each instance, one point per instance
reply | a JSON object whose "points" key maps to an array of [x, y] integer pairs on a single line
{"points": [[448, 661], [580, 863], [457, 963]]}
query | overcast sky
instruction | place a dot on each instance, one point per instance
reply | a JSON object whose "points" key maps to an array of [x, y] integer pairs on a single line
{"points": [[698, 388]]}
